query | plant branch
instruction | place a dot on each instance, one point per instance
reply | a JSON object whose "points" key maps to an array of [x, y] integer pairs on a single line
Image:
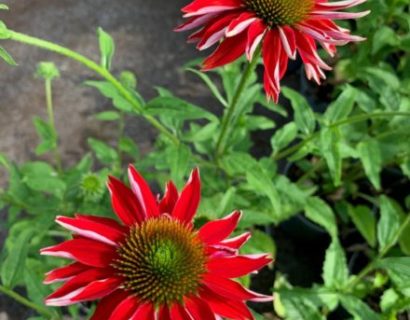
{"points": [[47, 45]]}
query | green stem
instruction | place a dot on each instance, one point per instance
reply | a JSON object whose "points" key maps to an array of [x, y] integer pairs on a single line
{"points": [[51, 120], [40, 309], [47, 45], [351, 120], [220, 145]]}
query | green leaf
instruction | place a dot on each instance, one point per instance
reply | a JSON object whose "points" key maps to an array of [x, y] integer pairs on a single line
{"points": [[300, 306], [342, 106], [4, 32], [211, 85], [47, 135], [4, 161], [238, 163], [178, 158], [365, 222], [172, 107], [384, 36], [404, 240], [33, 279], [108, 116], [3, 6], [304, 116], [260, 242], [127, 145], [389, 224], [335, 270], [398, 269], [284, 136], [259, 123], [103, 152], [107, 48], [260, 182], [319, 211], [6, 56], [358, 309], [13, 266], [370, 155], [40, 176], [330, 149], [109, 91], [203, 133]]}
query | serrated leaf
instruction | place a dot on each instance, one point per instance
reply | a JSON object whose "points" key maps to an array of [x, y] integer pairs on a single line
{"points": [[342, 106], [107, 48], [319, 211], [127, 145], [370, 155], [398, 269], [404, 240], [304, 116], [47, 135], [284, 136], [259, 181], [6, 56], [389, 224], [358, 309], [34, 283], [238, 162], [13, 266], [103, 151], [365, 222], [330, 149], [335, 270], [109, 91]]}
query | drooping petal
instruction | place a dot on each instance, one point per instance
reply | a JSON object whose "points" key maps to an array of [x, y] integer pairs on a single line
{"points": [[240, 24], [167, 203], [232, 289], [199, 309], [236, 242], [107, 305], [188, 202], [178, 312], [143, 192], [226, 307], [93, 230], [125, 309], [228, 51], [200, 7], [89, 252], [64, 273], [164, 313], [124, 203], [237, 266], [144, 311], [256, 32], [215, 231]]}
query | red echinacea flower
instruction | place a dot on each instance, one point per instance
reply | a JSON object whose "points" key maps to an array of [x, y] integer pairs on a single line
{"points": [[154, 264], [282, 28]]}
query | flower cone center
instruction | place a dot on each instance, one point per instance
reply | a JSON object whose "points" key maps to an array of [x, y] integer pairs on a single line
{"points": [[161, 261], [280, 12]]}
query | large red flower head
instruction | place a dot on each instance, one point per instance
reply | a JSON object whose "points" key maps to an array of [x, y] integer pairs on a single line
{"points": [[154, 264], [282, 28]]}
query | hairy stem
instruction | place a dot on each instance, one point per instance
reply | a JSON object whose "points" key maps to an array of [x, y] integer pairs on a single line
{"points": [[47, 45]]}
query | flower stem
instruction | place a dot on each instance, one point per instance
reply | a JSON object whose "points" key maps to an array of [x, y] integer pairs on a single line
{"points": [[40, 309], [47, 45], [362, 117], [51, 120], [220, 145]]}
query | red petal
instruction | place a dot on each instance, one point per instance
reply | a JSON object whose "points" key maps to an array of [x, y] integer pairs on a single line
{"points": [[92, 230], [107, 305], [89, 252], [236, 242], [229, 50], [145, 311], [215, 231], [199, 7], [125, 309], [124, 203], [237, 266], [232, 289], [255, 35], [73, 287], [225, 307], [188, 202], [199, 309], [143, 192], [178, 312], [64, 273], [167, 203], [164, 313], [240, 24]]}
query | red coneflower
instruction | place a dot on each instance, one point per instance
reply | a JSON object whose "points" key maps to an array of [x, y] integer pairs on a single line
{"points": [[283, 28], [154, 265]]}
